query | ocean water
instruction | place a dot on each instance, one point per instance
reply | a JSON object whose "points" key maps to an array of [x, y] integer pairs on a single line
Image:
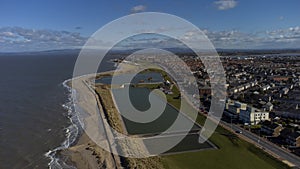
{"points": [[35, 110]]}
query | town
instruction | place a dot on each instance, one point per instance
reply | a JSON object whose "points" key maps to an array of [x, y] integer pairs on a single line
{"points": [[263, 96], [263, 93]]}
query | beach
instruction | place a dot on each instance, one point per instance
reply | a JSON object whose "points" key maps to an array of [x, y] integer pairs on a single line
{"points": [[85, 153]]}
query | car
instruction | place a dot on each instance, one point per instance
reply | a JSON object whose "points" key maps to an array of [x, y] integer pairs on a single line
{"points": [[238, 131]]}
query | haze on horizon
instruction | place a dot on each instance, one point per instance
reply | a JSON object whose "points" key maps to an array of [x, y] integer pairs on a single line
{"points": [[229, 24]]}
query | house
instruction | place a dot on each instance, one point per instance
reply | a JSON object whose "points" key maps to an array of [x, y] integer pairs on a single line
{"points": [[270, 128], [206, 90], [228, 103], [290, 137], [294, 139], [285, 90], [241, 88], [269, 106], [265, 87], [247, 85], [253, 83], [280, 78]]}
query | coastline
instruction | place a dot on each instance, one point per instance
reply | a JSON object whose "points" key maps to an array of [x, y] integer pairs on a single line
{"points": [[82, 152], [86, 154], [72, 133], [78, 150]]}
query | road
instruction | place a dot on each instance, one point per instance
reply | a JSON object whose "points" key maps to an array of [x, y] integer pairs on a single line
{"points": [[266, 145]]}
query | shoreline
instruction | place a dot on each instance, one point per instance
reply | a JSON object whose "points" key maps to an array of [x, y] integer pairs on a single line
{"points": [[72, 132], [72, 147], [85, 153], [77, 150]]}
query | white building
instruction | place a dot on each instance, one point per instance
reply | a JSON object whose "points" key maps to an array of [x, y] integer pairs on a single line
{"points": [[253, 115]]}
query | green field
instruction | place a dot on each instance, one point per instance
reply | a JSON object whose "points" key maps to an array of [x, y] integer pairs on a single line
{"points": [[233, 153]]}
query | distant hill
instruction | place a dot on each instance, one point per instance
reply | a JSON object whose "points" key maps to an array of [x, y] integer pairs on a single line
{"points": [[222, 52]]}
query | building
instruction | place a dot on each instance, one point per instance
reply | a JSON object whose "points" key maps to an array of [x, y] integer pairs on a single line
{"points": [[291, 137], [294, 139], [265, 87], [285, 90], [271, 129], [236, 107], [269, 106], [206, 90], [253, 115], [280, 78], [233, 108], [244, 112]]}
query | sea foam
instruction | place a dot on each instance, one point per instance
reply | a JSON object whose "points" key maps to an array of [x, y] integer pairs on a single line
{"points": [[71, 132]]}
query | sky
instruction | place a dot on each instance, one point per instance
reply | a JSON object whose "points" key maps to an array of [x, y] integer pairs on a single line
{"points": [[35, 25]]}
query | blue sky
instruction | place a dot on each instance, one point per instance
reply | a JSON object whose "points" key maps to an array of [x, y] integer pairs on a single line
{"points": [[43, 25]]}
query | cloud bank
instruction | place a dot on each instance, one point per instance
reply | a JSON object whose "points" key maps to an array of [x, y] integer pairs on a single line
{"points": [[270, 39], [22, 39], [15, 39]]}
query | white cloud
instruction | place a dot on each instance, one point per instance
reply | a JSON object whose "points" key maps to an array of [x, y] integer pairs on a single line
{"points": [[7, 34], [22, 39], [13, 39], [280, 38], [225, 4], [139, 8]]}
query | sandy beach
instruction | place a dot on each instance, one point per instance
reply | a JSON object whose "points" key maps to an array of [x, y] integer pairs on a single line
{"points": [[86, 153]]}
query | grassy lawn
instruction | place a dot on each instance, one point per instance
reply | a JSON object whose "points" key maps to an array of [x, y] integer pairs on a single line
{"points": [[232, 153], [237, 155]]}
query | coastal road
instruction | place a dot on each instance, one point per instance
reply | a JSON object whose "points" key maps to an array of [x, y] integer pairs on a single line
{"points": [[266, 145]]}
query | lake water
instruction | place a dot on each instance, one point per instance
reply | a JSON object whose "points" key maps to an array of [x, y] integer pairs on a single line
{"points": [[139, 78], [139, 99]]}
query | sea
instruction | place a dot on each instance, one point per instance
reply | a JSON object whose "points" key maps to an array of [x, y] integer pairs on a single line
{"points": [[36, 114]]}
